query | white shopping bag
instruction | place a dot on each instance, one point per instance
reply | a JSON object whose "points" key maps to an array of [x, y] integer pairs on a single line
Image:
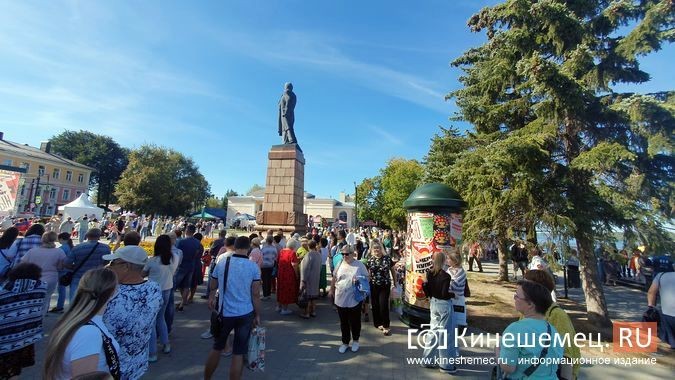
{"points": [[255, 359]]}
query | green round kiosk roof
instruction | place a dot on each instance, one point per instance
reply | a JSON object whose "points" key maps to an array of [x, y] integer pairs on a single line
{"points": [[434, 195]]}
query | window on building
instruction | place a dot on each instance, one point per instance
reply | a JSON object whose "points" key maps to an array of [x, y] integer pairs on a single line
{"points": [[343, 216], [41, 170], [25, 165], [56, 173], [66, 194], [69, 176], [80, 178], [7, 162], [52, 193]]}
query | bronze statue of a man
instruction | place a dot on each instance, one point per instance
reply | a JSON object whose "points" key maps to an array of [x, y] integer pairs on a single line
{"points": [[287, 115]]}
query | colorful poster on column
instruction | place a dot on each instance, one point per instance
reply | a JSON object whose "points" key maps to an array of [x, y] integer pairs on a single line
{"points": [[9, 190], [427, 233]]}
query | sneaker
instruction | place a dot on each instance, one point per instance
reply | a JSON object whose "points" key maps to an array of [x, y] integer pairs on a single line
{"points": [[285, 312], [343, 348], [167, 348], [206, 335], [152, 358], [355, 346], [449, 371]]}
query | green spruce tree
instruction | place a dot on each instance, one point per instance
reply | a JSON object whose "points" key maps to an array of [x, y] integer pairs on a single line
{"points": [[543, 87]]}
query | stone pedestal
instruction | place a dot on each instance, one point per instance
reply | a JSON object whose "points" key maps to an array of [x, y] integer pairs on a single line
{"points": [[283, 207]]}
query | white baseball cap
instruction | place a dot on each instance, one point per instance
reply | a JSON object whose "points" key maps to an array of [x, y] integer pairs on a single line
{"points": [[130, 253]]}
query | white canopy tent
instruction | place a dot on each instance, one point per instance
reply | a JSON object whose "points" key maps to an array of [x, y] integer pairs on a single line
{"points": [[80, 207]]}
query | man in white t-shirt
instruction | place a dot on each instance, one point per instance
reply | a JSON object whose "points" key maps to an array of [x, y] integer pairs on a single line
{"points": [[238, 303], [664, 286], [351, 239]]}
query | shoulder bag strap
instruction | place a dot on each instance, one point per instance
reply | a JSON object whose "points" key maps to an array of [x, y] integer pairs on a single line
{"points": [[338, 266], [551, 310], [222, 296], [530, 370], [86, 258], [14, 260], [111, 357]]}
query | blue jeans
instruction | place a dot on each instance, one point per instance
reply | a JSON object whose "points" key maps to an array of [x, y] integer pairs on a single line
{"points": [[61, 301], [443, 346], [212, 266], [160, 324], [73, 289], [169, 312]]}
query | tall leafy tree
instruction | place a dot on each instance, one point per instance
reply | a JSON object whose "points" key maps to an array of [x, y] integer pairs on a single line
{"points": [[213, 202], [397, 180], [161, 180], [100, 152], [549, 67], [368, 199], [254, 188], [229, 193]]}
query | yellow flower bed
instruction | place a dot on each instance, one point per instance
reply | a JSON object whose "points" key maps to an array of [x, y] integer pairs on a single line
{"points": [[149, 247]]}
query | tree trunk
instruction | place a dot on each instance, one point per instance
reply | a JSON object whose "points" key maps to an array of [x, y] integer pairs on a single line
{"points": [[502, 249], [531, 233], [98, 195], [596, 306], [107, 194]]}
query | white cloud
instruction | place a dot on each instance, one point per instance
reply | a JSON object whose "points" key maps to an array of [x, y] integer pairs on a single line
{"points": [[62, 72], [392, 139], [318, 53]]}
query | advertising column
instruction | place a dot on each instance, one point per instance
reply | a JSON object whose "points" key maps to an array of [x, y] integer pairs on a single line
{"points": [[434, 224]]}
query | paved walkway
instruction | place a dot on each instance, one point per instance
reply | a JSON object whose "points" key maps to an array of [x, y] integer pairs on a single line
{"points": [[307, 349], [625, 303]]}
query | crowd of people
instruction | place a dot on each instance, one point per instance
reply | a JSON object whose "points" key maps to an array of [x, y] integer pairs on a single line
{"points": [[121, 308], [106, 294]]}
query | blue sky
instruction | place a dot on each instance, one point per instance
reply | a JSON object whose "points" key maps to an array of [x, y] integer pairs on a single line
{"points": [[204, 78]]}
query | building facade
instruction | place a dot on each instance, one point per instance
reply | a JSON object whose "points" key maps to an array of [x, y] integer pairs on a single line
{"points": [[331, 211], [50, 180]]}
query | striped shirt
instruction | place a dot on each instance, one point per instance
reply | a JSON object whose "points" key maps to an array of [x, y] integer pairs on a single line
{"points": [[458, 281], [21, 304], [20, 246]]}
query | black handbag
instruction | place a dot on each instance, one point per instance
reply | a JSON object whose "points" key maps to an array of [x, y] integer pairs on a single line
{"points": [[217, 315], [67, 278], [302, 299]]}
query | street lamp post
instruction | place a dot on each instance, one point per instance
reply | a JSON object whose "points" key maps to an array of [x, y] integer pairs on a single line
{"points": [[356, 206], [34, 199], [29, 202]]}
